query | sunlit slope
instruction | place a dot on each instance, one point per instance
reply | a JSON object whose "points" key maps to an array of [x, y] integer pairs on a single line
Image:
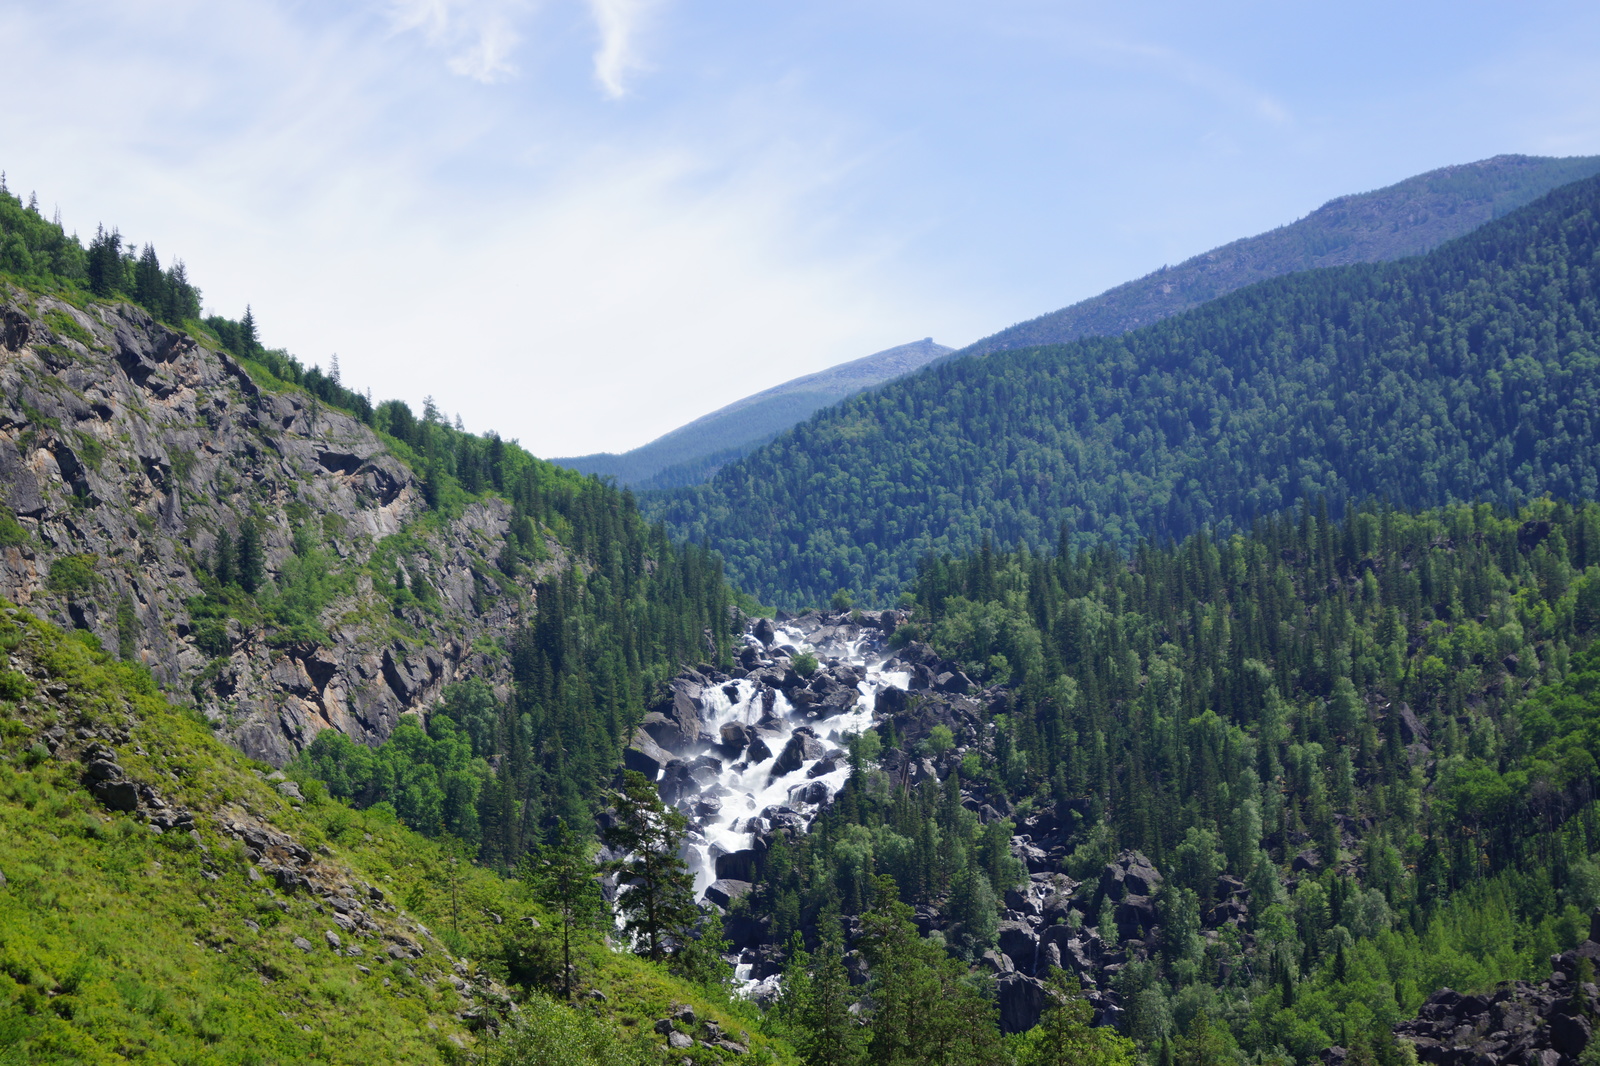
{"points": [[1469, 373], [1407, 218]]}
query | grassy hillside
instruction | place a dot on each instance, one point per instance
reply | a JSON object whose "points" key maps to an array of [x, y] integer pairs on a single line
{"points": [[120, 942], [1469, 373]]}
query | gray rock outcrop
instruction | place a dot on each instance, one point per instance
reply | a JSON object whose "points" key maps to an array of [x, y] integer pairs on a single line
{"points": [[125, 458]]}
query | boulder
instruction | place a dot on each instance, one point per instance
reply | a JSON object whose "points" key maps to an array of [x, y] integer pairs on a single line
{"points": [[815, 794], [764, 631], [1308, 861], [759, 751], [1412, 731], [828, 764], [117, 795], [1019, 942], [1021, 1002], [997, 962], [735, 738], [723, 892], [1020, 898], [801, 749], [1136, 916], [645, 755], [676, 721], [677, 782], [1130, 873], [1570, 1035], [737, 865], [892, 701]]}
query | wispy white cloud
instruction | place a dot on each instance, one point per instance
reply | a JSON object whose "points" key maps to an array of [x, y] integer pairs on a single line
{"points": [[479, 36], [620, 23]]}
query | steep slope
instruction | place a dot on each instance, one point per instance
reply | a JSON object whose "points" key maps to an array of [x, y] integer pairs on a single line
{"points": [[292, 559], [128, 448], [1407, 218], [1464, 374], [692, 453], [161, 899], [164, 899], [1274, 789]]}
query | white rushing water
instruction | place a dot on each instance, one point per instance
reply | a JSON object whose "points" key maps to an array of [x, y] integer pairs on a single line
{"points": [[746, 795]]}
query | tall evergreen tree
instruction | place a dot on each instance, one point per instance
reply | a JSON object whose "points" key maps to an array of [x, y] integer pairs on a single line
{"points": [[923, 1011], [656, 897], [562, 875], [814, 1008], [250, 560]]}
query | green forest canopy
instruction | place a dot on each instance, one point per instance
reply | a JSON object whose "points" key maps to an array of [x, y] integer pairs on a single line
{"points": [[1360, 689], [1471, 373]]}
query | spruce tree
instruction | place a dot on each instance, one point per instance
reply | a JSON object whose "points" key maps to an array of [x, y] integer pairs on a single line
{"points": [[250, 562], [923, 1012], [222, 559], [656, 897], [814, 1007], [562, 875]]}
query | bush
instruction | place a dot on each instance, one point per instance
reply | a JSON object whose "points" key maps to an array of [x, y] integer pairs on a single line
{"points": [[14, 685], [805, 664], [12, 534], [72, 574]]}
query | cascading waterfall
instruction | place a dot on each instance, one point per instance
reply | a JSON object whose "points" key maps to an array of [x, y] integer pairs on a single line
{"points": [[764, 765]]}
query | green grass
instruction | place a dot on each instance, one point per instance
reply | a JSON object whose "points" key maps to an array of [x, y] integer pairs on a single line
{"points": [[118, 943], [67, 326]]}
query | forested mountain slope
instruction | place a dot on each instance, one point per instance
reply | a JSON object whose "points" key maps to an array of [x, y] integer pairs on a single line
{"points": [[288, 557], [692, 453], [1260, 795], [1469, 373], [1407, 218]]}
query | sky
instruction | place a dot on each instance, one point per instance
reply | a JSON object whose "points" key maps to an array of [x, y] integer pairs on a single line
{"points": [[583, 223]]}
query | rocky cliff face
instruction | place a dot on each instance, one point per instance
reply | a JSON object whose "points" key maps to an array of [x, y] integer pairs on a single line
{"points": [[128, 448]]}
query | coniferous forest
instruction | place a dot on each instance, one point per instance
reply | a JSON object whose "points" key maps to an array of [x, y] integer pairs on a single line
{"points": [[1375, 735], [1462, 375]]}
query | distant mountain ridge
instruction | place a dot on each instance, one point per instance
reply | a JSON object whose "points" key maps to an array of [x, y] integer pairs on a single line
{"points": [[1466, 374], [692, 453], [1408, 218]]}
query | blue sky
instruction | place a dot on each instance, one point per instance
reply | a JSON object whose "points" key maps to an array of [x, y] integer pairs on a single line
{"points": [[585, 222]]}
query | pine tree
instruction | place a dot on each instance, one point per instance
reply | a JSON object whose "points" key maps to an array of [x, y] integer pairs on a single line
{"points": [[222, 558], [149, 284], [249, 340], [814, 1007], [657, 897], [105, 262], [250, 564], [923, 1012], [562, 875]]}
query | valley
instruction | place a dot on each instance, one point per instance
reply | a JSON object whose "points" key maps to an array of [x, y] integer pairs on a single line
{"points": [[1222, 689]]}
